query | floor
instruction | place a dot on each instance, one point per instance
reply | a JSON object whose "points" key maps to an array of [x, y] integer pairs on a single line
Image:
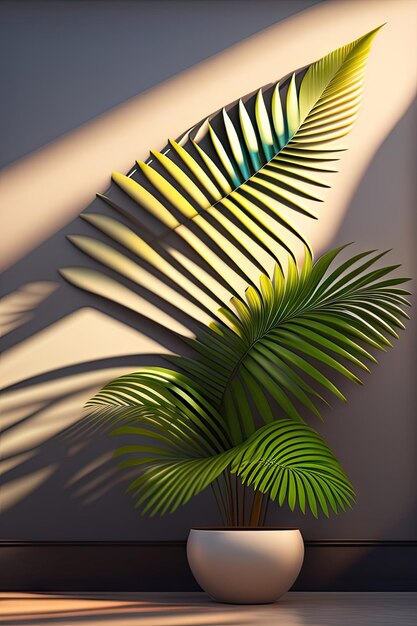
{"points": [[195, 609]]}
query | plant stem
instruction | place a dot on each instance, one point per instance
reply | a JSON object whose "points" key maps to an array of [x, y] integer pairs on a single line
{"points": [[244, 505], [265, 513], [231, 500], [221, 499], [237, 501], [220, 508], [255, 514]]}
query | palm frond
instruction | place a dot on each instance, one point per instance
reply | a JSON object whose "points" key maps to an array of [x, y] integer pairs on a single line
{"points": [[200, 425], [163, 398], [283, 343], [291, 462], [286, 461], [183, 448], [210, 206]]}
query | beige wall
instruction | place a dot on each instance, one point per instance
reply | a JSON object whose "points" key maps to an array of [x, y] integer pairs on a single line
{"points": [[61, 345]]}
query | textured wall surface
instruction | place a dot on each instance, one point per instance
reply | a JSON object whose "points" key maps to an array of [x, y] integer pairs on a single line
{"points": [[67, 63]]}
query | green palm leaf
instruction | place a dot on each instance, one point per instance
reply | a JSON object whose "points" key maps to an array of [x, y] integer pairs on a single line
{"points": [[157, 394], [200, 425], [291, 462], [284, 342], [183, 447], [211, 205]]}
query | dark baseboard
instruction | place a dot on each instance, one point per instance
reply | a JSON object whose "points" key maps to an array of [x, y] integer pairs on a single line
{"points": [[330, 565]]}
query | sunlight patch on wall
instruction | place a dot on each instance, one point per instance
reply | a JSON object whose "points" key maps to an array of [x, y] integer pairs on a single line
{"points": [[86, 335], [36, 413], [8, 464], [14, 491], [54, 417], [16, 308], [41, 208]]}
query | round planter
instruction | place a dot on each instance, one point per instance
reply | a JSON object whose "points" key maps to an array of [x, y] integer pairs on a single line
{"points": [[245, 565]]}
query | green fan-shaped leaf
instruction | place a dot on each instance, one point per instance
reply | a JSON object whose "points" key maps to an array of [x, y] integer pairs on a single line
{"points": [[287, 460], [284, 340]]}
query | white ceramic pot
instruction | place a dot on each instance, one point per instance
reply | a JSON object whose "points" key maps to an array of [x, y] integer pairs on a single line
{"points": [[245, 565]]}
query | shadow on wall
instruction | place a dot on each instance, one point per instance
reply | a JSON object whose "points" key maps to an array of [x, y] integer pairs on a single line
{"points": [[49, 452]]}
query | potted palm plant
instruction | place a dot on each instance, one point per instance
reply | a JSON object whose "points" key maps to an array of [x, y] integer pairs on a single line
{"points": [[230, 419], [231, 416]]}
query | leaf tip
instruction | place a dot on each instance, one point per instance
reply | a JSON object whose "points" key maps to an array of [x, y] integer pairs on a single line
{"points": [[379, 27], [371, 34], [141, 165]]}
